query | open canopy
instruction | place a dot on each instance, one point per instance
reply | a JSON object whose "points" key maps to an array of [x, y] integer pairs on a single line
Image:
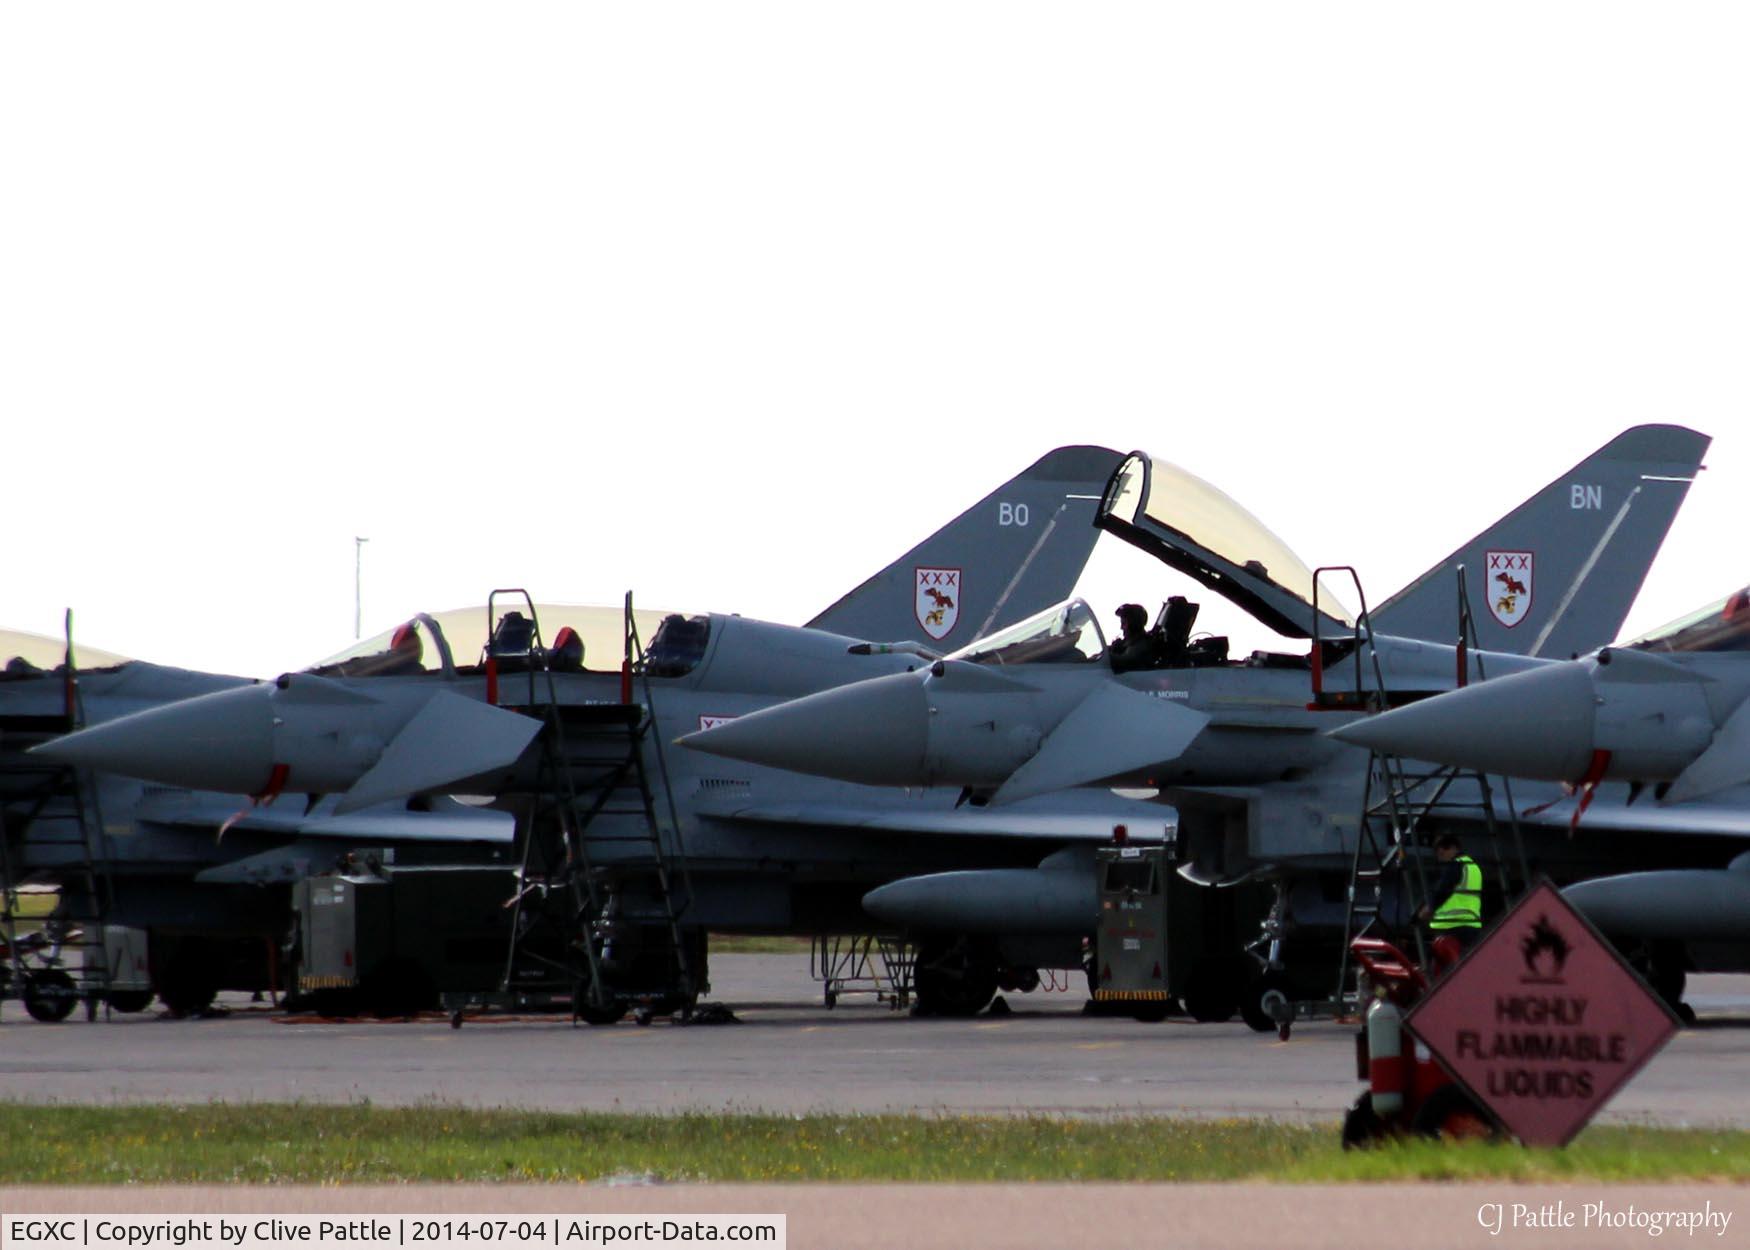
{"points": [[1188, 524]]}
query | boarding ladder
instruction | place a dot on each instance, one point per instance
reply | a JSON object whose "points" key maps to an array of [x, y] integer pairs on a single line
{"points": [[54, 843], [1402, 799], [597, 874]]}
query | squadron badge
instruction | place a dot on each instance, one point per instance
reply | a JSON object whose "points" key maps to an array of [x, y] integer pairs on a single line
{"points": [[1509, 586], [938, 600]]}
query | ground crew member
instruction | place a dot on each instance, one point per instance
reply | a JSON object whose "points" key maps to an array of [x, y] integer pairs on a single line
{"points": [[1455, 907]]}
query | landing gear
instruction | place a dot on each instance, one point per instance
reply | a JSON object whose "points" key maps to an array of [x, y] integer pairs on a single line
{"points": [[398, 988], [183, 969], [613, 1013], [954, 978], [129, 1001], [1265, 1002], [1664, 965], [1212, 991]]}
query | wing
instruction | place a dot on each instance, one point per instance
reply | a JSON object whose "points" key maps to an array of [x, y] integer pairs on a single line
{"points": [[447, 821], [1066, 817], [1726, 815]]}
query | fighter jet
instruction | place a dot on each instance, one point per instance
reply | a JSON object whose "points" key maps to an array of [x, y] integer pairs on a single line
{"points": [[149, 857], [1671, 709], [1047, 705], [1234, 745], [1665, 713], [407, 714]]}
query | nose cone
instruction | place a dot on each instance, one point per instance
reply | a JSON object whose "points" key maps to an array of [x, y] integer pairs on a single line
{"points": [[220, 741], [875, 732], [1537, 723]]}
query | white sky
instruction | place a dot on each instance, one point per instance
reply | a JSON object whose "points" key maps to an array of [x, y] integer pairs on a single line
{"points": [[730, 304]]}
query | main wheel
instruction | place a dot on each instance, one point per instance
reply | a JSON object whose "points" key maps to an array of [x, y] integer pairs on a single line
{"points": [[1451, 1113], [954, 979], [588, 1012], [187, 981], [1212, 993], [1266, 991], [129, 1001], [400, 987], [49, 995]]}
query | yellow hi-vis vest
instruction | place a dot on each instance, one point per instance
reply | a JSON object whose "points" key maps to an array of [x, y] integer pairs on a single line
{"points": [[1463, 908]]}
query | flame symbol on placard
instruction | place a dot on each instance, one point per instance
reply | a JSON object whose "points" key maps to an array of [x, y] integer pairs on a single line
{"points": [[1546, 951]]}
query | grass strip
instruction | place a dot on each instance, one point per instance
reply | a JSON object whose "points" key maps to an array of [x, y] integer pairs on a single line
{"points": [[307, 1143]]}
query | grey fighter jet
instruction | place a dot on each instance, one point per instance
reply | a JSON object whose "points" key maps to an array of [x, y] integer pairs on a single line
{"points": [[1672, 709], [152, 857], [1234, 745], [1652, 738], [407, 714]]}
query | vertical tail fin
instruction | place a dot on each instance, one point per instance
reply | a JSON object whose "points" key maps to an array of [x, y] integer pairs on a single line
{"points": [[1019, 549], [1558, 574]]}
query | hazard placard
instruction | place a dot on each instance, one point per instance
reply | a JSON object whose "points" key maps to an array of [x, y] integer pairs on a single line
{"points": [[1543, 1022]]}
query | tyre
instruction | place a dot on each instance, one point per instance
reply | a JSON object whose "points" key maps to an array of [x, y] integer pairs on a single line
{"points": [[1265, 991], [1212, 992], [128, 1001], [953, 979], [49, 996], [399, 988], [336, 1004], [1669, 982], [1451, 1114], [1153, 1012], [586, 1011], [1361, 1125], [187, 981]]}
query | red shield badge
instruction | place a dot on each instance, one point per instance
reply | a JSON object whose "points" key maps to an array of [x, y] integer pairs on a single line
{"points": [[937, 601], [1508, 586]]}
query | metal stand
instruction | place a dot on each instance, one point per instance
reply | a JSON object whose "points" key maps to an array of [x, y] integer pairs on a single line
{"points": [[881, 966]]}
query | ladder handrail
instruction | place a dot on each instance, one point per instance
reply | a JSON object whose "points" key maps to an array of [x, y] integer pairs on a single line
{"points": [[578, 873], [636, 657], [633, 660], [567, 861]]}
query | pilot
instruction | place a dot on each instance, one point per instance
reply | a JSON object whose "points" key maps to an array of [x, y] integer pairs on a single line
{"points": [[1455, 907], [1133, 650]]}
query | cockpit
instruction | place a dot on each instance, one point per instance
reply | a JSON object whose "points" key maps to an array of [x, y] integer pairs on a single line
{"points": [[1169, 642], [1195, 529], [1721, 626], [30, 655], [562, 637]]}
